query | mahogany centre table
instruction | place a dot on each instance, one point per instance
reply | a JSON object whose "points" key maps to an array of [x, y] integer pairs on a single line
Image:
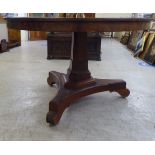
{"points": [[78, 81]]}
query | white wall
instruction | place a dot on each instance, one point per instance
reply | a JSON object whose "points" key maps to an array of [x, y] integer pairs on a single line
{"points": [[113, 15], [3, 31], [24, 34]]}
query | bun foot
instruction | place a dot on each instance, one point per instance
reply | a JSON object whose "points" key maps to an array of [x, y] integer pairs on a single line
{"points": [[50, 81], [52, 117], [123, 92]]}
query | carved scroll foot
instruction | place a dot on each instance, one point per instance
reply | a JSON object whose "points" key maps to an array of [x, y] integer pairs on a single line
{"points": [[56, 78], [124, 92], [58, 105], [51, 118], [50, 81]]}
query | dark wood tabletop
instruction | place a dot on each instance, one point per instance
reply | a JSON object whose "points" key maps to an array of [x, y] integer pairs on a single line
{"points": [[78, 24]]}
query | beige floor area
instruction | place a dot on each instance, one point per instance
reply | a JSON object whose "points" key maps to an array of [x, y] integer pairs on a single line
{"points": [[25, 94]]}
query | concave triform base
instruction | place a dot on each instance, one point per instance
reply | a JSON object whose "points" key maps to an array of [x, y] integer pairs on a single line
{"points": [[65, 97]]}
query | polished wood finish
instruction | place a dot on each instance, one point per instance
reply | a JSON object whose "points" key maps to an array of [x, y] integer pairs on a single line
{"points": [[14, 36], [89, 15], [78, 81], [37, 35], [79, 24], [59, 46]]}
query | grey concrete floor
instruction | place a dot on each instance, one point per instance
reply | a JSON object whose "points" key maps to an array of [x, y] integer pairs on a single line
{"points": [[25, 94]]}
